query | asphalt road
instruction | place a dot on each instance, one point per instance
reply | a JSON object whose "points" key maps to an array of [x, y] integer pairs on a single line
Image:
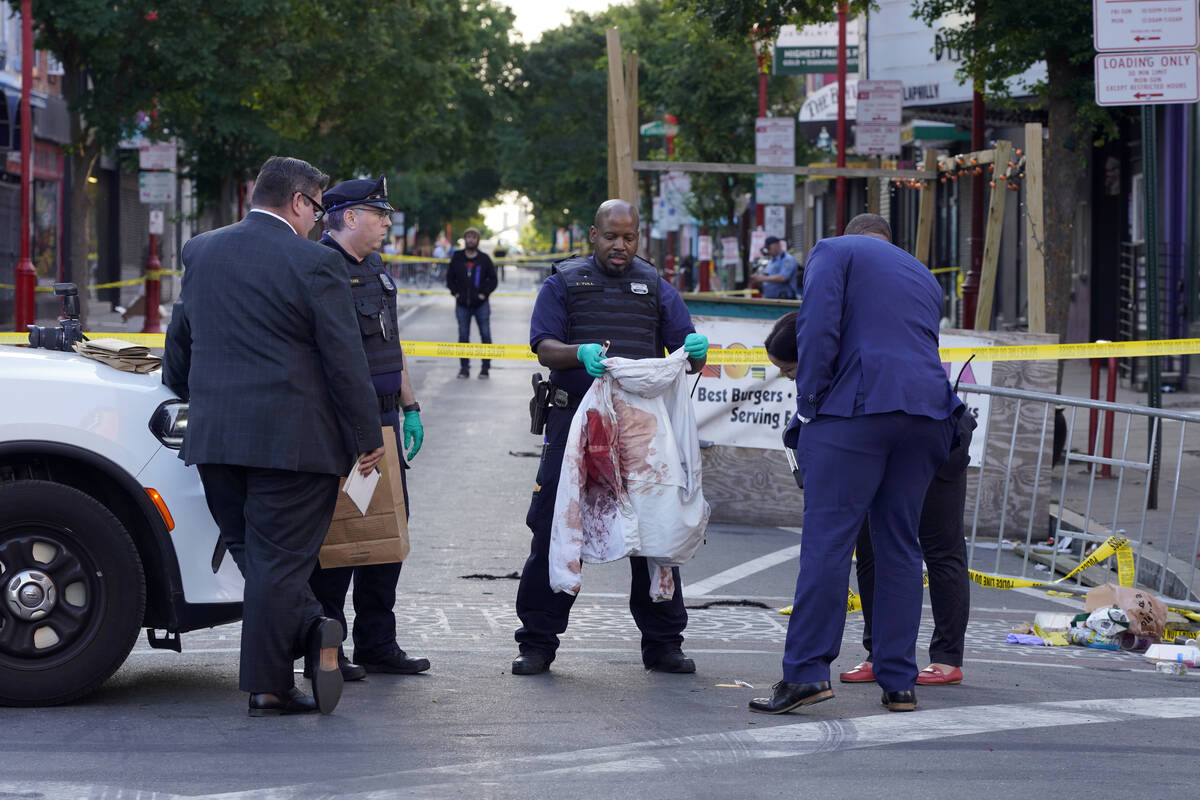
{"points": [[1067, 722]]}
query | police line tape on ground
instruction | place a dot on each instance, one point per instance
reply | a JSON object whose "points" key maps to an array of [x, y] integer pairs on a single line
{"points": [[755, 355], [1113, 545]]}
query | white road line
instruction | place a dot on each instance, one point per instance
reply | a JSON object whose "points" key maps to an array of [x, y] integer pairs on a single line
{"points": [[677, 755], [745, 570]]}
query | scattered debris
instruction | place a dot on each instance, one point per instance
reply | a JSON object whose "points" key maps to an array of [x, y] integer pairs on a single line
{"points": [[712, 603], [483, 576]]}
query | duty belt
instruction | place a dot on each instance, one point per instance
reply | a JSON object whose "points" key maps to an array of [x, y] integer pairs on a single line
{"points": [[389, 402]]}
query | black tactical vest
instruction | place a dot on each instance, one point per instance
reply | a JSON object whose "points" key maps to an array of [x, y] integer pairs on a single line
{"points": [[623, 309], [375, 300]]}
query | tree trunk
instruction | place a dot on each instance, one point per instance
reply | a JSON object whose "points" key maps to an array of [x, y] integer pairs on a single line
{"points": [[83, 157], [1066, 153]]}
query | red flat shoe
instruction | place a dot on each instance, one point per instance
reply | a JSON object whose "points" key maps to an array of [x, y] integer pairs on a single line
{"points": [[863, 673], [932, 676]]}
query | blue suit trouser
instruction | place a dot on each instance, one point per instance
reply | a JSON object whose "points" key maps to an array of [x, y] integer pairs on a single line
{"points": [[878, 465], [544, 612]]}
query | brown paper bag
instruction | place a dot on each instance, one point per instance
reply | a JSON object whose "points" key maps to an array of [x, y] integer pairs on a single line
{"points": [[381, 535], [1147, 614]]}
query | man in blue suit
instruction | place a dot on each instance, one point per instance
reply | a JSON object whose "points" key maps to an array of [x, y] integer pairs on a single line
{"points": [[879, 416]]}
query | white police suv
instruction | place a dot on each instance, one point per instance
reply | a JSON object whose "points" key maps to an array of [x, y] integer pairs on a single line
{"points": [[103, 530]]}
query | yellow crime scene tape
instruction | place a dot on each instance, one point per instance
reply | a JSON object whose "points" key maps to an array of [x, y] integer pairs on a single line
{"points": [[757, 355], [95, 286], [1113, 545]]}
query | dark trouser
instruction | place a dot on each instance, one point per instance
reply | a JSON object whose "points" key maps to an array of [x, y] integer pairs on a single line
{"points": [[374, 591], [945, 552], [273, 522], [544, 612], [483, 318], [881, 465]]}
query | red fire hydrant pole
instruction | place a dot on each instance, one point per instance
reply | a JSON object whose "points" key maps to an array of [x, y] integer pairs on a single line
{"points": [[25, 277], [153, 287]]}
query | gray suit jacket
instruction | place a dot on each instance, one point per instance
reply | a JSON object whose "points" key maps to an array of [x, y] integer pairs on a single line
{"points": [[264, 344]]}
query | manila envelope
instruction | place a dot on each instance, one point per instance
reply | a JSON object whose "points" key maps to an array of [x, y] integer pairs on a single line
{"points": [[381, 535]]}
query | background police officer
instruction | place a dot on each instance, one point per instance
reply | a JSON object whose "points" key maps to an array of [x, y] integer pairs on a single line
{"points": [[358, 217], [617, 297]]}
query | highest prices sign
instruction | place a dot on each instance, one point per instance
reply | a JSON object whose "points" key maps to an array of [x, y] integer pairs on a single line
{"points": [[1133, 79]]}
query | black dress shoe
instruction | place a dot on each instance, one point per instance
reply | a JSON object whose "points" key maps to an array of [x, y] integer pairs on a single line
{"points": [[293, 701], [530, 663], [398, 663], [350, 671], [900, 701], [324, 640], [674, 661], [792, 695]]}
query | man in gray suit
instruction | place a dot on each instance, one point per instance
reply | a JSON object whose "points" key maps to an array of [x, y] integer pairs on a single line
{"points": [[263, 344]]}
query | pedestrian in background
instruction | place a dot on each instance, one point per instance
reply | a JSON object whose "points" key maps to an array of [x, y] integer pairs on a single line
{"points": [[879, 416], [263, 345], [471, 278], [780, 280], [942, 544], [357, 219], [612, 296]]}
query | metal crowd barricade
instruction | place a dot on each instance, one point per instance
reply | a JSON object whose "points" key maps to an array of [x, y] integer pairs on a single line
{"points": [[1083, 494]]}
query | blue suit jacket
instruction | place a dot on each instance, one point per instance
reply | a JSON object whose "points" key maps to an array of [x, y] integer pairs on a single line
{"points": [[264, 342], [867, 333]]}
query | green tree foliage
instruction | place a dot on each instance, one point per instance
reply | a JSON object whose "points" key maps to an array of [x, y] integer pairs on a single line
{"points": [[556, 146], [998, 42]]}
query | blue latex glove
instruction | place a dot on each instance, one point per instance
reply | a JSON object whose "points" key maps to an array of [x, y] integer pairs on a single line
{"points": [[414, 433], [696, 345], [589, 356]]}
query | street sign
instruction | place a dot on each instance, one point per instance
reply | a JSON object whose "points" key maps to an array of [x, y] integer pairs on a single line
{"points": [[729, 250], [1135, 79], [774, 189], [157, 155], [813, 49], [879, 111], [157, 222], [704, 248], [775, 141], [156, 187], [758, 240], [775, 221], [1144, 25]]}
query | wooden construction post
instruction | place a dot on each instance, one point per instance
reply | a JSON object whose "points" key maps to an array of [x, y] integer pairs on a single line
{"points": [[1035, 230], [873, 188], [993, 230], [928, 208], [612, 142], [620, 117], [631, 100]]}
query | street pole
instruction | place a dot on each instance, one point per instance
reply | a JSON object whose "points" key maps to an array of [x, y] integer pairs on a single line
{"points": [[1150, 200], [25, 277], [762, 112], [153, 288], [841, 119], [970, 286]]}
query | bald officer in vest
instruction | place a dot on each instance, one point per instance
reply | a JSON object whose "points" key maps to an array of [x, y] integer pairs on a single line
{"points": [[610, 296], [357, 219]]}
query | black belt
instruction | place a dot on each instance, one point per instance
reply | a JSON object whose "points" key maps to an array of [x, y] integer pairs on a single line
{"points": [[389, 402]]}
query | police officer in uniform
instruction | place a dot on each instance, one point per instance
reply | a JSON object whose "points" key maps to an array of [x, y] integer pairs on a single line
{"points": [[357, 220], [617, 297]]}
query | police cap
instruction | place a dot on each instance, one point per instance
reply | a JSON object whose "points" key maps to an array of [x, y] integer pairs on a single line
{"points": [[361, 192]]}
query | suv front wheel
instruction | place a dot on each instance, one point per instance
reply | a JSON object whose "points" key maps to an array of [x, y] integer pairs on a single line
{"points": [[72, 593]]}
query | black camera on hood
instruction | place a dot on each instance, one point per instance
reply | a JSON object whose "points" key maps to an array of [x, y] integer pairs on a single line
{"points": [[69, 330]]}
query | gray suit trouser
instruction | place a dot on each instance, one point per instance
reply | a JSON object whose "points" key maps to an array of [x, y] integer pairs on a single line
{"points": [[273, 522]]}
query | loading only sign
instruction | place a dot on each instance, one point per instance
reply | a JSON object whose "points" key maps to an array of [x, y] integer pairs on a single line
{"points": [[1134, 79]]}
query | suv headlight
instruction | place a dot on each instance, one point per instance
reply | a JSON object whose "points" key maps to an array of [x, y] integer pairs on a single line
{"points": [[169, 423]]}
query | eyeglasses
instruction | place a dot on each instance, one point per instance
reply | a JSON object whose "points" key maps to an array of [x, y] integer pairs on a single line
{"points": [[377, 212], [318, 209]]}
